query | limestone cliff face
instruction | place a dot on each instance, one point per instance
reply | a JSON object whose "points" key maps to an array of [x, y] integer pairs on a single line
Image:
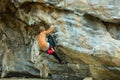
{"points": [[87, 33]]}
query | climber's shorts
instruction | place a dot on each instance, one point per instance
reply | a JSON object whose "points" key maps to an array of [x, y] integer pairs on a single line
{"points": [[50, 50]]}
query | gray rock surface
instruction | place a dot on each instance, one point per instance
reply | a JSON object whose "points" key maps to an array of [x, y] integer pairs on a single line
{"points": [[87, 35]]}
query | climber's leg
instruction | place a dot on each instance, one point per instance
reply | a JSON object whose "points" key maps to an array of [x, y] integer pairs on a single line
{"points": [[57, 57]]}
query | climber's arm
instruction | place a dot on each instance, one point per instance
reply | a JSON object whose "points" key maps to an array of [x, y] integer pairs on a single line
{"points": [[51, 29]]}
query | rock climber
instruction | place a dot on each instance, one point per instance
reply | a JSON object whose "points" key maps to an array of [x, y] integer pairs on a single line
{"points": [[44, 44]]}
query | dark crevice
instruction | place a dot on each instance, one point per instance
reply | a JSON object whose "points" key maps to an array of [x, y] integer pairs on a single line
{"points": [[86, 14], [113, 29], [91, 17], [21, 75], [28, 5]]}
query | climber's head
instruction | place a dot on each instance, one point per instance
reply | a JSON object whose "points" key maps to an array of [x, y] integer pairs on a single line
{"points": [[42, 28]]}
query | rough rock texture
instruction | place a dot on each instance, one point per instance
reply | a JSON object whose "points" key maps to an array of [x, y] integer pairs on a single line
{"points": [[87, 34]]}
